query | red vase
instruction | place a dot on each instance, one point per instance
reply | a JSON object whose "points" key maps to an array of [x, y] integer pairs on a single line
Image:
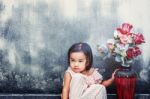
{"points": [[125, 81]]}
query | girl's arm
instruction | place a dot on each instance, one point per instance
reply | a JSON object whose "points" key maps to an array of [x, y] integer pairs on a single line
{"points": [[66, 86], [108, 82]]}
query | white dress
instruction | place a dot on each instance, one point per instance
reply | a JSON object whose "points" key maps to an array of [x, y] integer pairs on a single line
{"points": [[86, 87]]}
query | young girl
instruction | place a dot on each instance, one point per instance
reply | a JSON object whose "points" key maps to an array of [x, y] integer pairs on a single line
{"points": [[81, 80]]}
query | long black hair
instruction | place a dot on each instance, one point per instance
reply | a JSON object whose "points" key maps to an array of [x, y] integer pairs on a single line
{"points": [[86, 49]]}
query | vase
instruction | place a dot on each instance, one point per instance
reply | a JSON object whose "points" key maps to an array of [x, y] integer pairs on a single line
{"points": [[125, 81]]}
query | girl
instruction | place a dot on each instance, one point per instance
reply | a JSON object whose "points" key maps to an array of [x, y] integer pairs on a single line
{"points": [[81, 80]]}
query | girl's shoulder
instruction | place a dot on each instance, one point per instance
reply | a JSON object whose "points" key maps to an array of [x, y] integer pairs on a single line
{"points": [[94, 70], [96, 73], [70, 71]]}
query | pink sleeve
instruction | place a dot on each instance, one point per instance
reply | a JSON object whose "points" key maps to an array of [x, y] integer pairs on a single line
{"points": [[97, 76]]}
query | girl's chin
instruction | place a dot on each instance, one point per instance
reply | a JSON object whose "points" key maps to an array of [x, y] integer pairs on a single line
{"points": [[77, 71]]}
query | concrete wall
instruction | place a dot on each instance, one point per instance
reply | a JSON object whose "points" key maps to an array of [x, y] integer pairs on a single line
{"points": [[36, 34]]}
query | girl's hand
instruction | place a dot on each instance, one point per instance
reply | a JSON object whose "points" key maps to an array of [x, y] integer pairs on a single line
{"points": [[113, 74], [110, 80]]}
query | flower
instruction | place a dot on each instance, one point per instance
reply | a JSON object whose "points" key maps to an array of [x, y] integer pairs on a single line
{"points": [[133, 52], [125, 29], [124, 46], [138, 38]]}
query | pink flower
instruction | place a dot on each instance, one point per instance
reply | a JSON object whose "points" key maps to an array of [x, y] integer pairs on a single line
{"points": [[125, 29], [138, 38], [125, 38]]}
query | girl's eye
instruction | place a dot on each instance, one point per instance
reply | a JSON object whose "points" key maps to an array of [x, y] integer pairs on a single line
{"points": [[80, 61], [72, 60]]}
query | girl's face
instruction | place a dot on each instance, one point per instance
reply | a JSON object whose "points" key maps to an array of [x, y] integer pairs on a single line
{"points": [[78, 62]]}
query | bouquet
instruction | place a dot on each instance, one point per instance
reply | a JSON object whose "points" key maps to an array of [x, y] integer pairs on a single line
{"points": [[124, 46]]}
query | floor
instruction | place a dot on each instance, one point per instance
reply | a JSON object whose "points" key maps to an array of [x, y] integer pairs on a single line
{"points": [[57, 96]]}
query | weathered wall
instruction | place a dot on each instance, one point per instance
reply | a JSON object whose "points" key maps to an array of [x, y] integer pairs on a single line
{"points": [[36, 34]]}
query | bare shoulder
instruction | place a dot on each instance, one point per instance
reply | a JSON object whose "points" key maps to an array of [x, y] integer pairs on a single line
{"points": [[66, 85], [67, 78], [67, 75]]}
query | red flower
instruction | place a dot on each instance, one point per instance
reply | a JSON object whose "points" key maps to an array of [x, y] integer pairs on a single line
{"points": [[137, 51], [138, 38], [133, 52], [130, 53], [125, 29]]}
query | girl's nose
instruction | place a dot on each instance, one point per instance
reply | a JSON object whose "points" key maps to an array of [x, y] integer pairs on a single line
{"points": [[76, 64]]}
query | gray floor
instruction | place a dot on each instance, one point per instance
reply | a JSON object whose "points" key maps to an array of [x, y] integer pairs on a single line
{"points": [[57, 96]]}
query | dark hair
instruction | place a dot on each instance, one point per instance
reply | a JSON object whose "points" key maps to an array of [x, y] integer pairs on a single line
{"points": [[86, 49]]}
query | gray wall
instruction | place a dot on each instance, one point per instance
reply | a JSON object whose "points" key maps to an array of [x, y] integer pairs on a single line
{"points": [[36, 34]]}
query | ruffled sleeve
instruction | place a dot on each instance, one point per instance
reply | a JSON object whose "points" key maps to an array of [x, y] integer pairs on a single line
{"points": [[97, 76]]}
